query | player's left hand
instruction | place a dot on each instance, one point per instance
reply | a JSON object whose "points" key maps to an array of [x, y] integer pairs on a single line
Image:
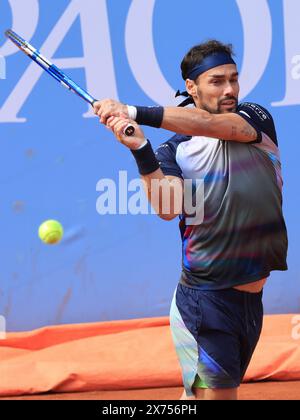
{"points": [[118, 126], [109, 108]]}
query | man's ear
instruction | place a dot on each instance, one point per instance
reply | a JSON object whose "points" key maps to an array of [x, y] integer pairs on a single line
{"points": [[191, 87]]}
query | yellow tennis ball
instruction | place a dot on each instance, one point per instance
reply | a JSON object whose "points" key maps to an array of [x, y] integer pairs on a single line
{"points": [[51, 232]]}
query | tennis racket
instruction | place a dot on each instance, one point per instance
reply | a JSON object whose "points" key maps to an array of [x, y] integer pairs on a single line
{"points": [[55, 72]]}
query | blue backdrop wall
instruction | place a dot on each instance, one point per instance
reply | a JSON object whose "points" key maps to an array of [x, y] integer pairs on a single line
{"points": [[54, 152]]}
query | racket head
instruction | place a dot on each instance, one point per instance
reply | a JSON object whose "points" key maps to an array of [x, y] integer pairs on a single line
{"points": [[50, 68], [28, 49], [54, 71], [15, 38], [22, 44]]}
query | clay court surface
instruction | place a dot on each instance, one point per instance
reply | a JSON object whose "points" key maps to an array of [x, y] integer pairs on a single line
{"points": [[133, 360], [253, 391]]}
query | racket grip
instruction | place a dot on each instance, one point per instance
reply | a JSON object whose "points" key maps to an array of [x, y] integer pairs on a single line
{"points": [[129, 130]]}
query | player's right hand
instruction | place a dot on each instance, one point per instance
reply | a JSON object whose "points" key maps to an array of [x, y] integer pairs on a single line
{"points": [[118, 126], [109, 108]]}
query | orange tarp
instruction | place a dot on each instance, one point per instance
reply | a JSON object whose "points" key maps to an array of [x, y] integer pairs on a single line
{"points": [[125, 355]]}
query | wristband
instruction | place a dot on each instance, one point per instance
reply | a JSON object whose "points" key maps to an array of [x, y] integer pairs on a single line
{"points": [[142, 145], [132, 111], [145, 159], [151, 116]]}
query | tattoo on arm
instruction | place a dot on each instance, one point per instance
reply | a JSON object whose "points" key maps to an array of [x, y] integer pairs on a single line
{"points": [[249, 132]]}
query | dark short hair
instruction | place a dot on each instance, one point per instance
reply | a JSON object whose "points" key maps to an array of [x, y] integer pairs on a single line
{"points": [[197, 54]]}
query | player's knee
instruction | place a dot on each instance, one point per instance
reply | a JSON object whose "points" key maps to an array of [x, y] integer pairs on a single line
{"points": [[221, 394]]}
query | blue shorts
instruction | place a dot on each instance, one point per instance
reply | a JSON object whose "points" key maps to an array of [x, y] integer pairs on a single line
{"points": [[215, 334]]}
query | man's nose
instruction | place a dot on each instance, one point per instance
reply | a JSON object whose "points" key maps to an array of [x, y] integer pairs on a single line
{"points": [[229, 90]]}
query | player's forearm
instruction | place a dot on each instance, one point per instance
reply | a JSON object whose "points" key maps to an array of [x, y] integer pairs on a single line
{"points": [[164, 196], [197, 122], [189, 121]]}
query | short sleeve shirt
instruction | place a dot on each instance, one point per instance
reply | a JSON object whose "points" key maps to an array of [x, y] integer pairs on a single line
{"points": [[243, 236]]}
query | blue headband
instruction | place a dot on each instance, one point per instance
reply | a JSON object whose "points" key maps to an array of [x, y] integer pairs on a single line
{"points": [[210, 62]]}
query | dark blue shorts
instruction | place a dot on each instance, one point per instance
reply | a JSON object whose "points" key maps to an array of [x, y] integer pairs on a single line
{"points": [[215, 334]]}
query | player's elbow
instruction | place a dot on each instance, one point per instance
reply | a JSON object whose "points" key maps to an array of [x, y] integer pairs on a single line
{"points": [[168, 217], [167, 200]]}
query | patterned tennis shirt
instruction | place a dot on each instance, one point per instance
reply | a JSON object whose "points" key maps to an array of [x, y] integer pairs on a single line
{"points": [[243, 235]]}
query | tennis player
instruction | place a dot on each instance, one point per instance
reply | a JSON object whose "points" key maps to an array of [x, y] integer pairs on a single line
{"points": [[217, 313]]}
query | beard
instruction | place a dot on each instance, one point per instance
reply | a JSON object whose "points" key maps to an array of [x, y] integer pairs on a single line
{"points": [[232, 108], [219, 109]]}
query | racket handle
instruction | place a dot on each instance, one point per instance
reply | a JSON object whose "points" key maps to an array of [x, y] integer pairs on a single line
{"points": [[129, 130]]}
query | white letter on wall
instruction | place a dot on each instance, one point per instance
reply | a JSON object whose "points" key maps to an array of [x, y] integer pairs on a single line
{"points": [[139, 38], [26, 26], [292, 50], [97, 60], [257, 24], [141, 53]]}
